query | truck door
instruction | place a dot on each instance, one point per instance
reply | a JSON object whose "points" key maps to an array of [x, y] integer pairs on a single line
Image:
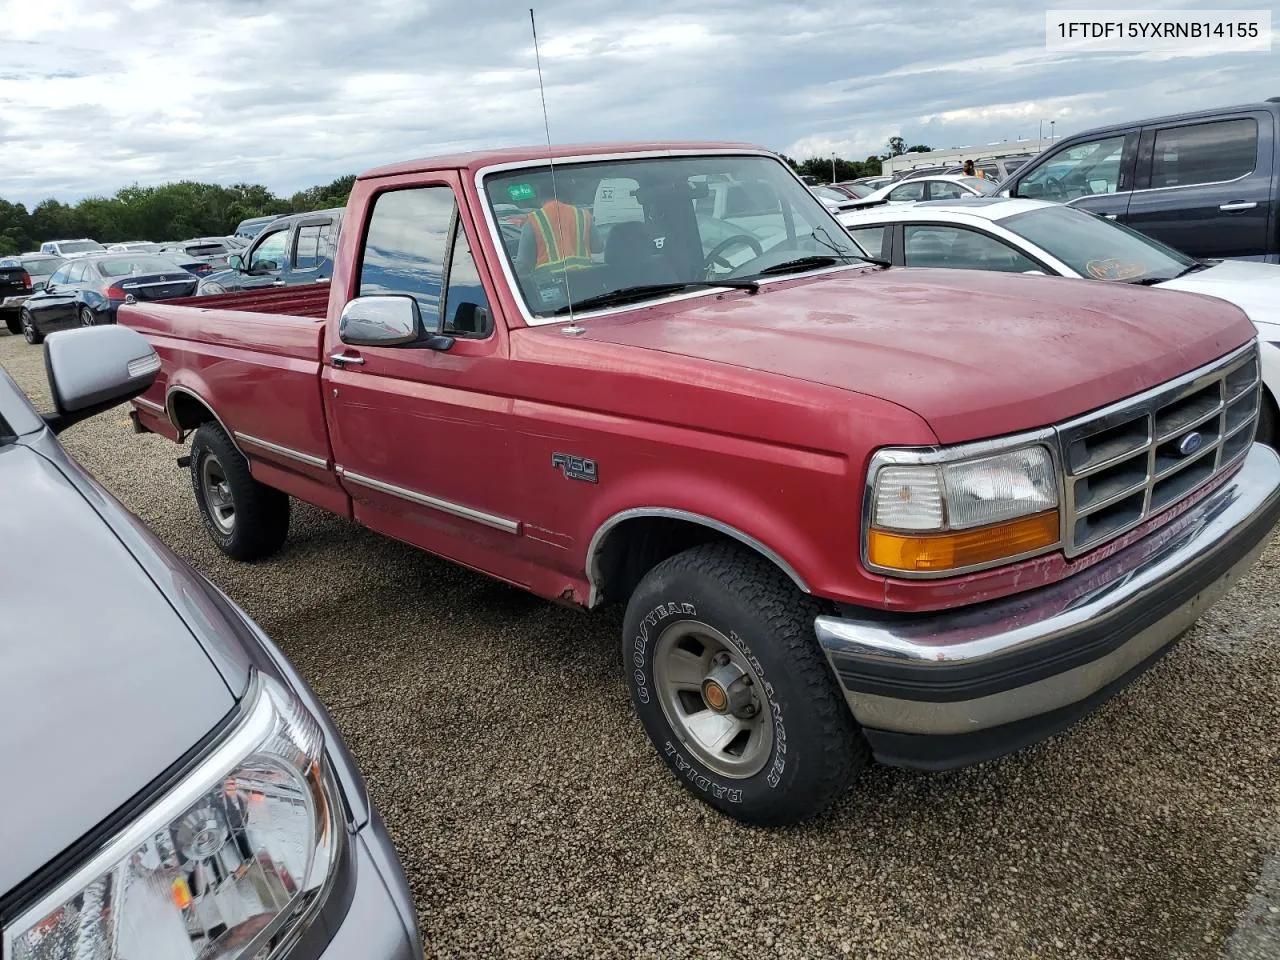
{"points": [[1205, 186], [1094, 175], [266, 259], [421, 433], [312, 252]]}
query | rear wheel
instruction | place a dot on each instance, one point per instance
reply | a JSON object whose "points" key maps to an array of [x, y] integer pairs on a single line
{"points": [[246, 520], [13, 321], [728, 681], [29, 330], [87, 319]]}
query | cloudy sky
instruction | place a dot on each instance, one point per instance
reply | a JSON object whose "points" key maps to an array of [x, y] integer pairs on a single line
{"points": [[97, 94]]}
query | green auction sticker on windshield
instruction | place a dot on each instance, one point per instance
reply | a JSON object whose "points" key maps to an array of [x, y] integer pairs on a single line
{"points": [[520, 191]]}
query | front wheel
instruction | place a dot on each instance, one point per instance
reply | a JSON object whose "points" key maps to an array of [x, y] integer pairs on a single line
{"points": [[30, 331], [246, 520], [728, 681]]}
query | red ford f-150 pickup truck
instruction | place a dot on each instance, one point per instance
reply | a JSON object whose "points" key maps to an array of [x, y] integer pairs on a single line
{"points": [[924, 515]]}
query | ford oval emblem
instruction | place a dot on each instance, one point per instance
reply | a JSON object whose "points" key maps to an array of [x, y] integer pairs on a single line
{"points": [[1190, 443]]}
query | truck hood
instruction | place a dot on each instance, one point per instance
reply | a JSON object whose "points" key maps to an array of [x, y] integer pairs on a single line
{"points": [[103, 687], [1251, 286], [975, 354]]}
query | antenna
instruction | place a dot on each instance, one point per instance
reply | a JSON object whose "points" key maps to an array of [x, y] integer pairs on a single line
{"points": [[572, 329]]}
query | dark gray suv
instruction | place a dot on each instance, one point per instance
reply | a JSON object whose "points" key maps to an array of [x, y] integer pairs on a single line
{"points": [[173, 788]]}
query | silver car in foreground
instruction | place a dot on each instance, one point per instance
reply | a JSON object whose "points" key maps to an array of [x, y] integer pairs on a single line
{"points": [[175, 789]]}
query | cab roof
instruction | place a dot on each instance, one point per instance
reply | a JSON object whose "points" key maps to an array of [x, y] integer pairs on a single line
{"points": [[477, 159]]}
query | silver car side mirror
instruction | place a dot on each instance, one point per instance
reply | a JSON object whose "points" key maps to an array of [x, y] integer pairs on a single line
{"points": [[380, 321], [94, 369]]}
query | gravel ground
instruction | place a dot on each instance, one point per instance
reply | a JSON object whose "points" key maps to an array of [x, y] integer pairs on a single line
{"points": [[534, 819]]}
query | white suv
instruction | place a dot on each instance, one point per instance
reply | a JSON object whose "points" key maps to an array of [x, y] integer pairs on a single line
{"points": [[70, 249]]}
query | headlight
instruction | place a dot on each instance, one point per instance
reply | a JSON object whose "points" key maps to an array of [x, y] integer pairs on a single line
{"points": [[225, 865], [949, 514], [209, 288]]}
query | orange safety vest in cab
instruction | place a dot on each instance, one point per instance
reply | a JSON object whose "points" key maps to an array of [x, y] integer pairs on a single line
{"points": [[563, 235]]}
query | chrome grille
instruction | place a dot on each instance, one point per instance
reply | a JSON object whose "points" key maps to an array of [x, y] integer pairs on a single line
{"points": [[1133, 459]]}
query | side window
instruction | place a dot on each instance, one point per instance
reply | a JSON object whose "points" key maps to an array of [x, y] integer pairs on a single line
{"points": [[960, 249], [466, 308], [872, 240], [306, 250], [59, 276], [1204, 152], [1082, 170], [406, 245], [269, 254], [78, 271], [942, 190], [914, 190]]}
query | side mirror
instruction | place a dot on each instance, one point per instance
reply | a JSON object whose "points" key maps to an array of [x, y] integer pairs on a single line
{"points": [[387, 320], [380, 321], [236, 262], [473, 319], [94, 369]]}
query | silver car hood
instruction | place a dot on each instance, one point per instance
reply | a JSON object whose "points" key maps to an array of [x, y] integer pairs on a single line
{"points": [[103, 687]]}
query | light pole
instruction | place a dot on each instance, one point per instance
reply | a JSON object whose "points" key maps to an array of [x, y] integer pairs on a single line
{"points": [[1042, 131], [833, 166], [1052, 123]]}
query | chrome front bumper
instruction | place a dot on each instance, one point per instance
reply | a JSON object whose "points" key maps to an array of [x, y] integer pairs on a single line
{"points": [[944, 689]]}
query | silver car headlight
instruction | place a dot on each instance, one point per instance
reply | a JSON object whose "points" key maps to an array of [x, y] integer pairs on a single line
{"points": [[943, 512], [227, 864]]}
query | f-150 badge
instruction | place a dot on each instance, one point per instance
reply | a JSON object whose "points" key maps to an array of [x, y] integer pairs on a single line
{"points": [[576, 468]]}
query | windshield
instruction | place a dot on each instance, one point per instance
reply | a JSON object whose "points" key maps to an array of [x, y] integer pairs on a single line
{"points": [[132, 266], [1097, 248], [80, 246], [613, 225], [41, 266]]}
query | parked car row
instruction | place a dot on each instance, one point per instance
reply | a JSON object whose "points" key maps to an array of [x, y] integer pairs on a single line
{"points": [[89, 290], [852, 510]]}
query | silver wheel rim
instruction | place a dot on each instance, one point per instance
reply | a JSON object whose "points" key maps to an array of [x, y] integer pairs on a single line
{"points": [[217, 494], [28, 328], [732, 743], [86, 317]]}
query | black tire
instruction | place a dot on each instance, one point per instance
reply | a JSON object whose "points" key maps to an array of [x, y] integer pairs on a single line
{"points": [[29, 329], [13, 322], [816, 749], [1266, 432], [259, 520]]}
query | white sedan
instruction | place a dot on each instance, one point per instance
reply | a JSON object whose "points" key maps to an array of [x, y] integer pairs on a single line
{"points": [[938, 186], [1036, 236]]}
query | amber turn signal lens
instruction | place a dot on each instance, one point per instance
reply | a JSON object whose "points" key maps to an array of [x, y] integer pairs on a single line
{"points": [[920, 553]]}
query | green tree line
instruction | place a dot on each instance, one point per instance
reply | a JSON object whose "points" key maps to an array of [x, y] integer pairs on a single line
{"points": [[171, 211]]}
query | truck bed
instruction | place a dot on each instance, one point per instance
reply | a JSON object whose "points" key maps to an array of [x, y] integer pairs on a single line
{"points": [[311, 300], [252, 361]]}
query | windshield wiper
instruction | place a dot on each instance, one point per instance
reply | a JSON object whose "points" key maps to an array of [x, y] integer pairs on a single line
{"points": [[1152, 281], [830, 244], [641, 291], [817, 262]]}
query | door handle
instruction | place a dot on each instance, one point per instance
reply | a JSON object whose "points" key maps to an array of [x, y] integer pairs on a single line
{"points": [[277, 283], [340, 360], [1111, 216], [1238, 205]]}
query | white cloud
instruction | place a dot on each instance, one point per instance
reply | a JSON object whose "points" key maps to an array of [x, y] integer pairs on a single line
{"points": [[95, 94]]}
